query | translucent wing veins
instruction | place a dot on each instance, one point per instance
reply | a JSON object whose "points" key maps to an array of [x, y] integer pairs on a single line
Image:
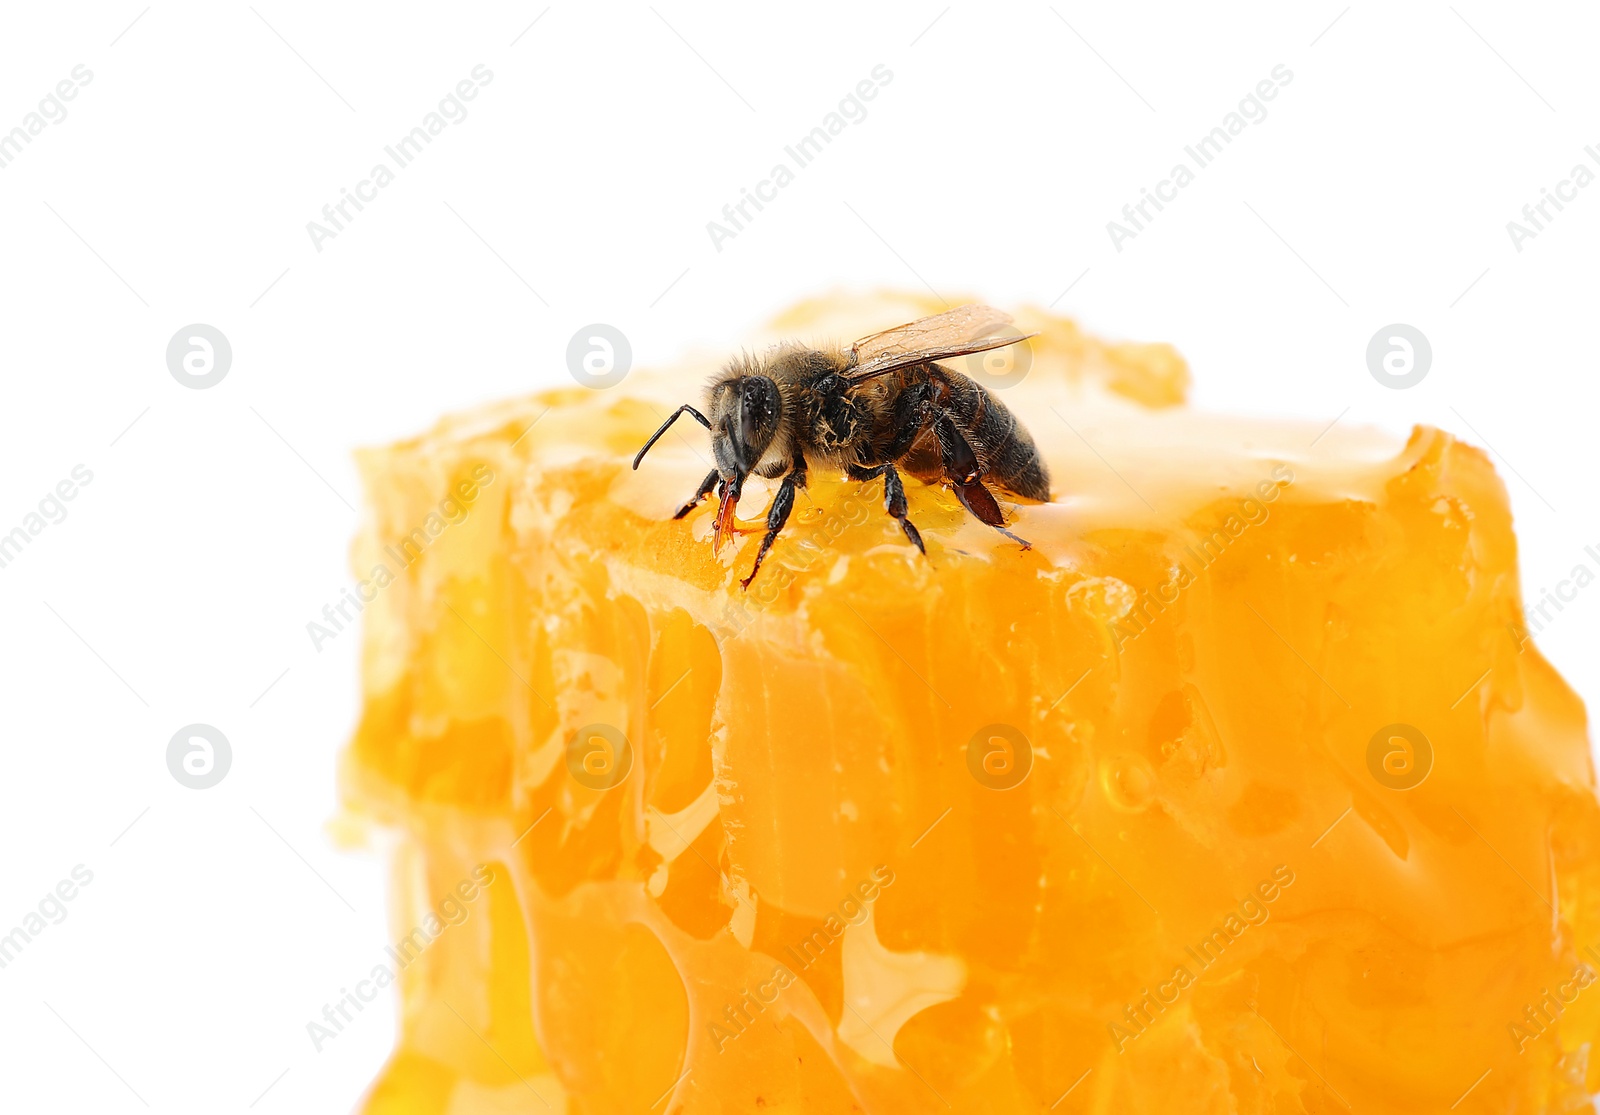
{"points": [[958, 332]]}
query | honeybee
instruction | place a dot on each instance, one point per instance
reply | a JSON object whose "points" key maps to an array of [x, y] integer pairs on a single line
{"points": [[881, 407]]}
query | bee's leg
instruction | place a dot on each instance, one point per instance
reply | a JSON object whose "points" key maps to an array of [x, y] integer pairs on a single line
{"points": [[961, 468], [981, 503], [701, 493], [894, 502], [778, 515], [894, 498]]}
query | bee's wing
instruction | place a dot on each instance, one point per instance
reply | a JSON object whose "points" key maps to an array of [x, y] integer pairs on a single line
{"points": [[958, 332]]}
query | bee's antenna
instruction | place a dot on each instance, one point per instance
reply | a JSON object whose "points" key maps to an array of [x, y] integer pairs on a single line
{"points": [[655, 437]]}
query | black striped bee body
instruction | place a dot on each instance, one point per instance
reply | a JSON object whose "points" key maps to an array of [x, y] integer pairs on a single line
{"points": [[883, 406], [931, 395]]}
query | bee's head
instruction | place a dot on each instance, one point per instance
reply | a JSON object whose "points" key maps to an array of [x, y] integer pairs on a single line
{"points": [[746, 407]]}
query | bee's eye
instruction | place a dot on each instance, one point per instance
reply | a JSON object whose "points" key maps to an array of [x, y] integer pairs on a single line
{"points": [[754, 419]]}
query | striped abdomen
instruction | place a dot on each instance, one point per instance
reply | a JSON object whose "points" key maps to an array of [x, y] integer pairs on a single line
{"points": [[1003, 446]]}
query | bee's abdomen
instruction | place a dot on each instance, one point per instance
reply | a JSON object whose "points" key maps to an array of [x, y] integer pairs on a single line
{"points": [[1001, 442]]}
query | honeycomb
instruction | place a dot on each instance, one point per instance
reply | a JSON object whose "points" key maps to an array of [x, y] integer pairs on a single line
{"points": [[1242, 791]]}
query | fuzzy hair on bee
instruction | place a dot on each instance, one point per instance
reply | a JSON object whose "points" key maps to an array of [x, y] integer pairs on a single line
{"points": [[880, 407]]}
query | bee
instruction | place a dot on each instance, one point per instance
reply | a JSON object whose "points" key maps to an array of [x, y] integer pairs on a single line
{"points": [[880, 408]]}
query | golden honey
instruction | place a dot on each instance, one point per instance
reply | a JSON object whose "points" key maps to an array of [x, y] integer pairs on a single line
{"points": [[1243, 790]]}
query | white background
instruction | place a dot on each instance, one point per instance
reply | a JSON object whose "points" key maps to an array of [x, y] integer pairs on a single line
{"points": [[178, 188]]}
